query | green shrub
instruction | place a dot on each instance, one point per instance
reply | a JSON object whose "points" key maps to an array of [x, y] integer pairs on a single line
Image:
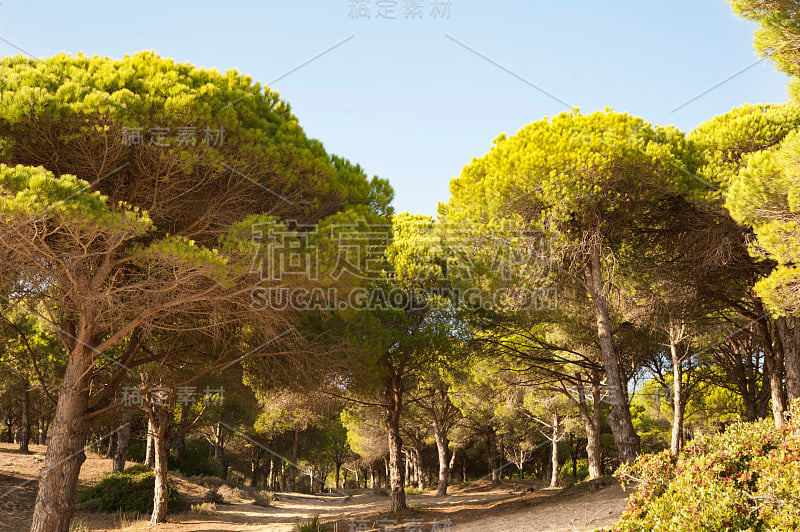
{"points": [[565, 473], [195, 460], [204, 508], [412, 491], [211, 482], [264, 498], [747, 478], [137, 452], [380, 491], [128, 491]]}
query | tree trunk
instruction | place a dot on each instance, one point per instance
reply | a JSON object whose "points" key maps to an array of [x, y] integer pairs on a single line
{"points": [[112, 441], [619, 419], [592, 422], [678, 396], [149, 458], [180, 439], [338, 474], [123, 439], [43, 426], [444, 463], [159, 423], [397, 479], [292, 479], [789, 333], [773, 366], [55, 500], [271, 474], [554, 451], [491, 444], [25, 415]]}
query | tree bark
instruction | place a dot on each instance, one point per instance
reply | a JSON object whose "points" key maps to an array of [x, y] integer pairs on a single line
{"points": [[789, 333], [123, 439], [158, 416], [619, 419], [592, 422], [773, 366], [491, 444], [678, 395], [292, 478], [25, 418], [43, 426], [554, 451], [397, 479], [444, 463], [149, 458], [55, 500]]}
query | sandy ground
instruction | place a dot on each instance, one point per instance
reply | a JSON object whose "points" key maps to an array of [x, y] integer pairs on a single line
{"points": [[478, 507]]}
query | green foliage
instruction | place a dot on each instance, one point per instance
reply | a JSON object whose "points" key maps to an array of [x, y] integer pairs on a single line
{"points": [[195, 460], [744, 479], [204, 508], [565, 473], [128, 491]]}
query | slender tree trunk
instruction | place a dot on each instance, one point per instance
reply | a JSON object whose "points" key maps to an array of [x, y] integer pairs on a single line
{"points": [[55, 500], [592, 422], [271, 475], [773, 366], [25, 421], [123, 439], [160, 448], [338, 473], [491, 444], [678, 395], [789, 334], [43, 426], [554, 451], [180, 439], [292, 479], [444, 463], [149, 456], [416, 456], [619, 419], [397, 479]]}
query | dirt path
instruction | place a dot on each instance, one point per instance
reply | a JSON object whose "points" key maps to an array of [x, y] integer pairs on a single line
{"points": [[588, 511], [479, 508]]}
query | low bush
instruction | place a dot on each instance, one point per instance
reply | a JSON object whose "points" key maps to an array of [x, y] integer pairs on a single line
{"points": [[263, 498], [127, 491], [204, 508], [214, 496], [747, 478]]}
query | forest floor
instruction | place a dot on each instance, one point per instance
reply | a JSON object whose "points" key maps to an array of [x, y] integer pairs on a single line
{"points": [[475, 507]]}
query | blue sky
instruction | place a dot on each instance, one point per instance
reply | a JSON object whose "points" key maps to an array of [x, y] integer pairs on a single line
{"points": [[408, 102]]}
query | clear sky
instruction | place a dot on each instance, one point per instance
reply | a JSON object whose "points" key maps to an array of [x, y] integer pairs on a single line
{"points": [[406, 97]]}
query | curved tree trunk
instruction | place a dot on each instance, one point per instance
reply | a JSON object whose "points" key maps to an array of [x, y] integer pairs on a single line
{"points": [[55, 500]]}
